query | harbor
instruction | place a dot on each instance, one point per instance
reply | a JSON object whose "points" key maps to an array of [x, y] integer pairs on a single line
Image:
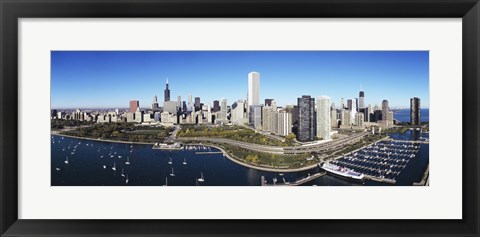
{"points": [[80, 162], [382, 161]]}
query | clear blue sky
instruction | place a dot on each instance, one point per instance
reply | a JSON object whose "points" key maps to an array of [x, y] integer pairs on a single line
{"points": [[110, 79]]}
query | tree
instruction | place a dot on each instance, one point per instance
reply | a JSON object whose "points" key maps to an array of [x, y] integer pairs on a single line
{"points": [[290, 139]]}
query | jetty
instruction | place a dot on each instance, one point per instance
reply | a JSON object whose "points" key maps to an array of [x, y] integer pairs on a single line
{"points": [[295, 183]]}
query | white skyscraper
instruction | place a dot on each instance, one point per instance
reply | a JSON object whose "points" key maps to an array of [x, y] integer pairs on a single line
{"points": [[354, 111], [323, 117], [254, 88]]}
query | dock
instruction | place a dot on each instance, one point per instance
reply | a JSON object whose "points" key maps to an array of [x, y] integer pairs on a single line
{"points": [[295, 183]]}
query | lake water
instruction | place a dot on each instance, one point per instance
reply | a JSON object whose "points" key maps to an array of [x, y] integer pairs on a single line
{"points": [[90, 163], [403, 115]]}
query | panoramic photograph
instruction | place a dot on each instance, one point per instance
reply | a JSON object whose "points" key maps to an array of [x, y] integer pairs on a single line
{"points": [[239, 118]]}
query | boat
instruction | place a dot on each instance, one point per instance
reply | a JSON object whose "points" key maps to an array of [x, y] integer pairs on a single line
{"points": [[58, 169], [126, 180], [104, 166], [342, 171], [128, 161], [170, 162], [172, 174], [165, 146], [201, 179], [66, 161], [114, 166], [119, 157], [184, 161], [166, 182], [123, 175]]}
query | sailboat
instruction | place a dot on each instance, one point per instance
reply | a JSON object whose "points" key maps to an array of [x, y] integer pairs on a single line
{"points": [[126, 180], [184, 161], [201, 179], [172, 174], [114, 166], [128, 161], [66, 161], [170, 162], [122, 173]]}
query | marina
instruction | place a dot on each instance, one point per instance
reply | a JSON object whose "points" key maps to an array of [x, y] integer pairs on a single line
{"points": [[109, 164]]}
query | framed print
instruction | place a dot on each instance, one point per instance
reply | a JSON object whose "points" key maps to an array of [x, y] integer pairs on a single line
{"points": [[252, 118]]}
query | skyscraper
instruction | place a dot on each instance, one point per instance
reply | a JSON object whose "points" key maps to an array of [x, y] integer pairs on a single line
{"points": [[167, 92], [361, 100], [415, 111], [353, 111], [155, 103], [179, 102], [323, 117], [342, 104], [197, 103], [253, 88], [216, 106], [385, 112], [306, 118], [134, 104], [349, 104]]}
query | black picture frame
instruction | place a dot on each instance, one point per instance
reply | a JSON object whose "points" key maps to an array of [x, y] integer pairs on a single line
{"points": [[11, 11]]}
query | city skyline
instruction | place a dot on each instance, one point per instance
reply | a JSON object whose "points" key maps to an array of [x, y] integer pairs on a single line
{"points": [[109, 79]]}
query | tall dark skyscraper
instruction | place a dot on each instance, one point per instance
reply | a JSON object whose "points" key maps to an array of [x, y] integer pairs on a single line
{"points": [[197, 104], [167, 92], [216, 106], [415, 111], [306, 118], [361, 100], [349, 104]]}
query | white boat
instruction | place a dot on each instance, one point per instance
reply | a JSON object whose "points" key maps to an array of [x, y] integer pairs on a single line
{"points": [[114, 166], [184, 161], [170, 162], [128, 161], [172, 174], [123, 175], [66, 161], [119, 157], [126, 180], [58, 169], [104, 166], [201, 179]]}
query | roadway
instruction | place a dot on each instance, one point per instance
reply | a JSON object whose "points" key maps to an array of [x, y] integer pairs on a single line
{"points": [[334, 144]]}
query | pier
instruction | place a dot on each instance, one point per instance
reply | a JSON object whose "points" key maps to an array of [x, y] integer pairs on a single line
{"points": [[295, 183]]}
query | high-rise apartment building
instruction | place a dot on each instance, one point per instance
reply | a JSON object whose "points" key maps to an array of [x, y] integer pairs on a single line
{"points": [[306, 118], [323, 117], [134, 105], [415, 111], [385, 112]]}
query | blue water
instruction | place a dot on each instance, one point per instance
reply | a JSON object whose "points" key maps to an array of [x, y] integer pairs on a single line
{"points": [[149, 167], [403, 115]]}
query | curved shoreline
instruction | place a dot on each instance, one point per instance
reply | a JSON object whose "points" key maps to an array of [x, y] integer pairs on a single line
{"points": [[260, 167], [102, 140], [210, 145]]}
